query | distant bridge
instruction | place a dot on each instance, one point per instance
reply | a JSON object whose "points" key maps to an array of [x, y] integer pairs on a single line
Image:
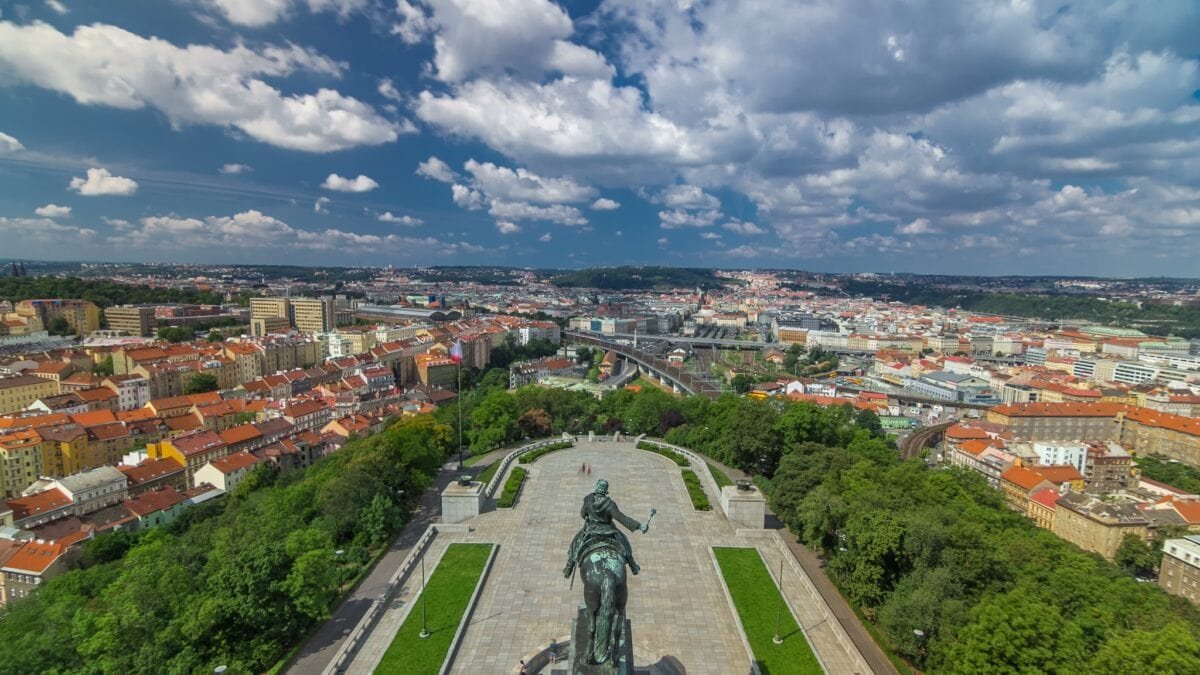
{"points": [[679, 379]]}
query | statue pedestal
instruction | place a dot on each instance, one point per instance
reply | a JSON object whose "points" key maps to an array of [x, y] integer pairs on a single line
{"points": [[581, 638], [744, 508], [461, 502]]}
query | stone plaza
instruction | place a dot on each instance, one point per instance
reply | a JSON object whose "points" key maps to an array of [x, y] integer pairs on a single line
{"points": [[678, 606]]}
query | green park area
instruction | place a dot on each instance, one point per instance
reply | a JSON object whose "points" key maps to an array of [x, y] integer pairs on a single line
{"points": [[447, 592], [757, 599]]}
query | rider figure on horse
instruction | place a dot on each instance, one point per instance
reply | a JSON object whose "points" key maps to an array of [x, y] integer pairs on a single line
{"points": [[598, 513]]}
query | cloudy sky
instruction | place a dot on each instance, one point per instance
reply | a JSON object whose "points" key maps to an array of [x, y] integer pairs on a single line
{"points": [[957, 136]]}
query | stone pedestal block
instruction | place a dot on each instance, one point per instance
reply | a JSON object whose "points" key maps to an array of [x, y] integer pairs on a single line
{"points": [[461, 502], [744, 508]]}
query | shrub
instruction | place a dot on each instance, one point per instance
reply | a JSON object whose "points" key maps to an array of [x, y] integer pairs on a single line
{"points": [[512, 486], [695, 491], [679, 459], [529, 457]]}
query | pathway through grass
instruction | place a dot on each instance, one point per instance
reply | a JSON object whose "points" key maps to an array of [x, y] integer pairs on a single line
{"points": [[756, 598], [448, 591]]}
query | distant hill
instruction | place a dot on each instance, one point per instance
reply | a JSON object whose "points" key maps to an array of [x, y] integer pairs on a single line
{"points": [[639, 278]]}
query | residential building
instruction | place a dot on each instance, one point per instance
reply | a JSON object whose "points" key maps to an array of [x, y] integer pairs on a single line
{"points": [[152, 474], [1179, 573], [132, 320], [313, 315], [92, 490], [82, 316], [1096, 525], [39, 560], [227, 472], [192, 450], [19, 392]]}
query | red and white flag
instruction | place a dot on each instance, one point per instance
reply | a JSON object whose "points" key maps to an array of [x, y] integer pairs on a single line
{"points": [[456, 352]]}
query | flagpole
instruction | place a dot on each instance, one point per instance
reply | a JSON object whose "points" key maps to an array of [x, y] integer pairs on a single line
{"points": [[458, 383]]}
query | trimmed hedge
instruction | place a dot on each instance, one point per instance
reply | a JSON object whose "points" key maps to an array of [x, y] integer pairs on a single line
{"points": [[529, 457], [512, 486], [696, 491], [718, 475], [679, 459]]}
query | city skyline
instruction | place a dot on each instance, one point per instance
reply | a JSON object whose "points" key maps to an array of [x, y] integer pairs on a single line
{"points": [[1018, 139]]}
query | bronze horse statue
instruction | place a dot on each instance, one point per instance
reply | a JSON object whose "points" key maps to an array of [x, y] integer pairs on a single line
{"points": [[601, 551], [604, 593]]}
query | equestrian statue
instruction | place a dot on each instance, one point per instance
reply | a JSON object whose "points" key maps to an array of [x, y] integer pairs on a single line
{"points": [[601, 552]]}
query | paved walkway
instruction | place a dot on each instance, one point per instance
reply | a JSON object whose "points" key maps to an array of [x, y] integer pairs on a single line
{"points": [[677, 605], [315, 656]]}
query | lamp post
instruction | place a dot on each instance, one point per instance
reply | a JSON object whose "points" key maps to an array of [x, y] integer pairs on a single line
{"points": [[920, 635], [458, 382], [424, 625], [778, 639]]}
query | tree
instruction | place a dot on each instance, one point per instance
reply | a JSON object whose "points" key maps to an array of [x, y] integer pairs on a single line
{"points": [[59, 326], [1171, 649], [742, 383], [1016, 632], [201, 383], [583, 355], [534, 423], [215, 336], [175, 334], [494, 421], [105, 367], [1135, 556], [867, 419]]}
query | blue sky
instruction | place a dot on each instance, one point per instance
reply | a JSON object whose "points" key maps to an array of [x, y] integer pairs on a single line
{"points": [[953, 137]]}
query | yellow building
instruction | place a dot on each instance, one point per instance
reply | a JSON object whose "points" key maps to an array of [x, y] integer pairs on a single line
{"points": [[1095, 525], [192, 450], [313, 315], [67, 451], [133, 320], [16, 393], [269, 308], [20, 461], [81, 315], [266, 325]]}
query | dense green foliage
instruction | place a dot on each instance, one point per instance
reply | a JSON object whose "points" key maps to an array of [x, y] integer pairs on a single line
{"points": [[512, 487], [532, 455], [446, 596], [201, 383], [695, 490], [757, 600], [235, 581], [938, 551], [679, 459], [176, 333], [1176, 474], [629, 278], [100, 291], [1179, 320]]}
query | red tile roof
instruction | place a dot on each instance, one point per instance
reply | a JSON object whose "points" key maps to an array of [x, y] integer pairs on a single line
{"points": [[159, 499], [42, 502], [1022, 478], [1047, 497], [235, 462], [150, 470]]}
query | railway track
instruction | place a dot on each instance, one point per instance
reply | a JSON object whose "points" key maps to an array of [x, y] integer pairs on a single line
{"points": [[922, 438]]}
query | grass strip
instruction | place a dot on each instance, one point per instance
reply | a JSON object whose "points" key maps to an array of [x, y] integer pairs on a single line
{"points": [[512, 486], [757, 598], [696, 491], [447, 593], [529, 457], [679, 459], [718, 475], [487, 474]]}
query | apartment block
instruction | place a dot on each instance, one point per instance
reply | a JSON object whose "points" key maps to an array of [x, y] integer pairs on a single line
{"points": [[1179, 573], [133, 320], [313, 315], [81, 315], [17, 393]]}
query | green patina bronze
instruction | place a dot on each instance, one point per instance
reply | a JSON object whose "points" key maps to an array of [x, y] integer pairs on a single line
{"points": [[601, 552]]}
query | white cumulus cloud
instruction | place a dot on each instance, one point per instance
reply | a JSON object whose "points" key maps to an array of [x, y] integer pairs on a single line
{"points": [[101, 182], [605, 204], [360, 183], [57, 7], [105, 65], [234, 169], [321, 205], [507, 227], [743, 227], [437, 170], [53, 211], [388, 217]]}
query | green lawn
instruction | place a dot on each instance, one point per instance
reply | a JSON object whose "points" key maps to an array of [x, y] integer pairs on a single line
{"points": [[486, 475], [448, 591], [756, 598]]}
